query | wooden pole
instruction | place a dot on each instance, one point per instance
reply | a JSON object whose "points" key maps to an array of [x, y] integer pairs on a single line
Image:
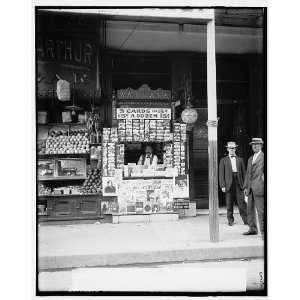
{"points": [[212, 133]]}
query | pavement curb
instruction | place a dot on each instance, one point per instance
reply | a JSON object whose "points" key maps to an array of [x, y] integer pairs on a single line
{"points": [[48, 263]]}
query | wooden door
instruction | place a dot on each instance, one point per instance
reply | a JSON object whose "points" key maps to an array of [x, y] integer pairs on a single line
{"points": [[199, 154]]}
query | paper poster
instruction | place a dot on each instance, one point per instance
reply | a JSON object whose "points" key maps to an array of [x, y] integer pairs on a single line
{"points": [[155, 195], [118, 177], [109, 207], [140, 195], [165, 197], [124, 195], [109, 186], [131, 208], [139, 207], [150, 195], [156, 205], [148, 207], [181, 186]]}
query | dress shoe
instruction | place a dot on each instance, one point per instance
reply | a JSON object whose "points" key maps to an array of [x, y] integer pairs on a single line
{"points": [[230, 223], [250, 232]]}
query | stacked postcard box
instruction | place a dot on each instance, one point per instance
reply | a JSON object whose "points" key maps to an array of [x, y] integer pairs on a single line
{"points": [[179, 138], [144, 130], [120, 152], [109, 139]]}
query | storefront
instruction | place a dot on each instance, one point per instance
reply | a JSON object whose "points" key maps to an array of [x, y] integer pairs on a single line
{"points": [[87, 172], [101, 56]]}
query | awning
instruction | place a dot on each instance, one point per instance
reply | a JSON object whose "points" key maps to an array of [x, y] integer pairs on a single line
{"points": [[184, 15]]}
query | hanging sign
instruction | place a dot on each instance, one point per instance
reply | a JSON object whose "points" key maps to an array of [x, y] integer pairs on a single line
{"points": [[144, 113]]}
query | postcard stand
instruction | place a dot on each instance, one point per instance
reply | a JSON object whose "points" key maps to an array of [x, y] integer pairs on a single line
{"points": [[142, 117]]}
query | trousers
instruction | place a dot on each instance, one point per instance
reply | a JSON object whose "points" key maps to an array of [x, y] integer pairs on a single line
{"points": [[255, 202], [235, 190]]}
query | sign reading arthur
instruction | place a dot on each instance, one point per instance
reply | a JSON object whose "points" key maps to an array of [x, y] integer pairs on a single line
{"points": [[144, 113], [60, 56]]}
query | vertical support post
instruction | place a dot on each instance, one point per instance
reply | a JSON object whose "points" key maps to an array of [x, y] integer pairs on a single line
{"points": [[190, 166], [212, 133], [97, 68]]}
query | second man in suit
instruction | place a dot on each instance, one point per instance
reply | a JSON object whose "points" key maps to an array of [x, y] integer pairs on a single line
{"points": [[231, 179], [254, 187]]}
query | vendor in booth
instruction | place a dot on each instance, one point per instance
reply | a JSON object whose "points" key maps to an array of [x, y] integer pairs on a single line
{"points": [[148, 159]]}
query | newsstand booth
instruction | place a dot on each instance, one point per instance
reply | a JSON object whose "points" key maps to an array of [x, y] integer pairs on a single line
{"points": [[130, 188]]}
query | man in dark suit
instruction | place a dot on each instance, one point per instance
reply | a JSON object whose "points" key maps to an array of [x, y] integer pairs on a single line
{"points": [[254, 187], [231, 179]]}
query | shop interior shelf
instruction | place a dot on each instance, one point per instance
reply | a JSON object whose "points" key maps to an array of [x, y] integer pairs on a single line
{"points": [[62, 178]]}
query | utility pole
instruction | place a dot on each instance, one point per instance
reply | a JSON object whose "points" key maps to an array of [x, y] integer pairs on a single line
{"points": [[212, 124]]}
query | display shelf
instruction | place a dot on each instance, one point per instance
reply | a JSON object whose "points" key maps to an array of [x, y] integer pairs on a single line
{"points": [[47, 218], [65, 155], [40, 197], [61, 124], [144, 214], [60, 207], [62, 178]]}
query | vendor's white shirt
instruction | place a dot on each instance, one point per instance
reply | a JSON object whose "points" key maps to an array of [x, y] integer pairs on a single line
{"points": [[233, 163], [147, 161], [255, 155]]}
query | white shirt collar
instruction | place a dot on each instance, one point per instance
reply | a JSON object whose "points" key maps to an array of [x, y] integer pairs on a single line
{"points": [[257, 153]]}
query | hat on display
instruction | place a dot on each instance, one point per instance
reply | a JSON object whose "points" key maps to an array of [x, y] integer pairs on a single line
{"points": [[231, 145], [256, 141]]}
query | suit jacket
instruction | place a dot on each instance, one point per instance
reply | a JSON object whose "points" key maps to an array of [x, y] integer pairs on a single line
{"points": [[225, 172], [254, 178]]}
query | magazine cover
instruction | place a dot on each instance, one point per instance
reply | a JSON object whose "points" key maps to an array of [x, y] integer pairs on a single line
{"points": [[181, 187]]}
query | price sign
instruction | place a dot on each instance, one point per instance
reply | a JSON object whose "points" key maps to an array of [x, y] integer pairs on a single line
{"points": [[144, 113], [181, 203]]}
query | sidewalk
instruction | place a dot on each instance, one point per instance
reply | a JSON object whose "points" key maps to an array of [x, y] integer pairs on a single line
{"points": [[86, 245]]}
